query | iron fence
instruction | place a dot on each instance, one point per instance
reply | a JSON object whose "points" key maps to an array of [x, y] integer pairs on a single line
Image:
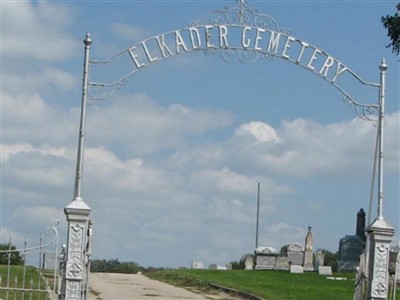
{"points": [[20, 279]]}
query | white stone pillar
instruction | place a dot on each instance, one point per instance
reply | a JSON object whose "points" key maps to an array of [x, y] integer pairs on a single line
{"points": [[380, 233], [78, 218]]}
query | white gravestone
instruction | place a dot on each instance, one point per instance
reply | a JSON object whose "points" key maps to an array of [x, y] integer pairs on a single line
{"points": [[325, 270], [296, 269]]}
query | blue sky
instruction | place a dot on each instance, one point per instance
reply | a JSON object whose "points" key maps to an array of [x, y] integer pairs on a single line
{"points": [[172, 159]]}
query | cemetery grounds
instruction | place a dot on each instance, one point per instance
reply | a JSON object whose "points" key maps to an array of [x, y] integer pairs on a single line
{"points": [[269, 285]]}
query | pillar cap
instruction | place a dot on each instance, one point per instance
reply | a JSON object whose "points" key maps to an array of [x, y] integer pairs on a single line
{"points": [[77, 205], [380, 224]]}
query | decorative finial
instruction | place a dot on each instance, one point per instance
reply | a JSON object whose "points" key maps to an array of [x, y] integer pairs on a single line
{"points": [[87, 39], [383, 66]]}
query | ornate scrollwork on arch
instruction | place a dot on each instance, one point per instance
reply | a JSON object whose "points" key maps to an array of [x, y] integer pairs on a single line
{"points": [[102, 91], [233, 55], [240, 14], [367, 112]]}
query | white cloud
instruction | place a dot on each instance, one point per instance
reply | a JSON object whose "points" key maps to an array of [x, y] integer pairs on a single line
{"points": [[46, 79], [7, 151], [261, 132], [230, 182], [279, 234], [28, 118], [38, 214], [16, 238], [146, 127], [37, 30]]}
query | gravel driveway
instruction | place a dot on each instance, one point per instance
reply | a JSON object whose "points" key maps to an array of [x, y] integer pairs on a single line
{"points": [[109, 286]]}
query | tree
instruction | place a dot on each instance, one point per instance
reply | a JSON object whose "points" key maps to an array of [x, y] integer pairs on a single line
{"points": [[114, 266], [392, 24], [240, 265], [9, 253]]}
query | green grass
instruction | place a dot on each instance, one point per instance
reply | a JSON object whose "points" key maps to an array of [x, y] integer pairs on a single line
{"points": [[18, 272], [271, 285]]}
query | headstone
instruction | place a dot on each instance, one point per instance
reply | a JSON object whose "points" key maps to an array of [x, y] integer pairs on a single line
{"points": [[319, 259], [212, 267], [393, 263], [308, 252], [265, 258], [296, 269], [325, 270], [249, 263], [197, 265], [295, 253], [282, 263], [264, 262], [350, 249]]}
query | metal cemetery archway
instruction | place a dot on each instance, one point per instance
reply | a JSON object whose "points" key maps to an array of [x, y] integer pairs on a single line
{"points": [[236, 33]]}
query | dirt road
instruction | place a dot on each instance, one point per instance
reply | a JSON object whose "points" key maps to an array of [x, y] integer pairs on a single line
{"points": [[108, 286]]}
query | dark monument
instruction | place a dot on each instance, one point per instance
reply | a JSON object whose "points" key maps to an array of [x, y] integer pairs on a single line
{"points": [[360, 230], [352, 246]]}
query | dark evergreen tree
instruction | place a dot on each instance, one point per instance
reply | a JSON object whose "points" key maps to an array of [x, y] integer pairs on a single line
{"points": [[114, 266], [9, 253], [392, 24]]}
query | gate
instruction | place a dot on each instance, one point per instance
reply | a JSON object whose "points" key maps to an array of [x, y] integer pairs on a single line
{"points": [[31, 272], [235, 33]]}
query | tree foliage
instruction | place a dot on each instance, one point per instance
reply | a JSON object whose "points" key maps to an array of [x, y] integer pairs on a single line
{"points": [[240, 265], [114, 266], [392, 24], [8, 253]]}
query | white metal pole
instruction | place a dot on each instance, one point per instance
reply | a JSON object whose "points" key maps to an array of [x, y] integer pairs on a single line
{"points": [[258, 213], [79, 162], [382, 90]]}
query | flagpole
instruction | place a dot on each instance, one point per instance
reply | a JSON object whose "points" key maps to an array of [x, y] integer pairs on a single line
{"points": [[258, 213]]}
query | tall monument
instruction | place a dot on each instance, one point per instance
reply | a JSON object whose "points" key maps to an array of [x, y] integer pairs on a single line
{"points": [[360, 230], [308, 264]]}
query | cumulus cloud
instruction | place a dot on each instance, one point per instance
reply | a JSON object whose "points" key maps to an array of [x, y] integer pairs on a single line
{"points": [[37, 30], [280, 234], [49, 78], [259, 131], [29, 118], [167, 199], [147, 127]]}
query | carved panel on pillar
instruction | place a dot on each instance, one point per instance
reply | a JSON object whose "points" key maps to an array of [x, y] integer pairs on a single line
{"points": [[74, 270], [75, 265], [75, 247], [73, 290], [380, 279]]}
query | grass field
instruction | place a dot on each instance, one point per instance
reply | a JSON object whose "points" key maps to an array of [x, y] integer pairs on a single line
{"points": [[271, 285], [16, 281]]}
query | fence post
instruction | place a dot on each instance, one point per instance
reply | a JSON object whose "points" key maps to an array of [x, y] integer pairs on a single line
{"points": [[78, 217]]}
